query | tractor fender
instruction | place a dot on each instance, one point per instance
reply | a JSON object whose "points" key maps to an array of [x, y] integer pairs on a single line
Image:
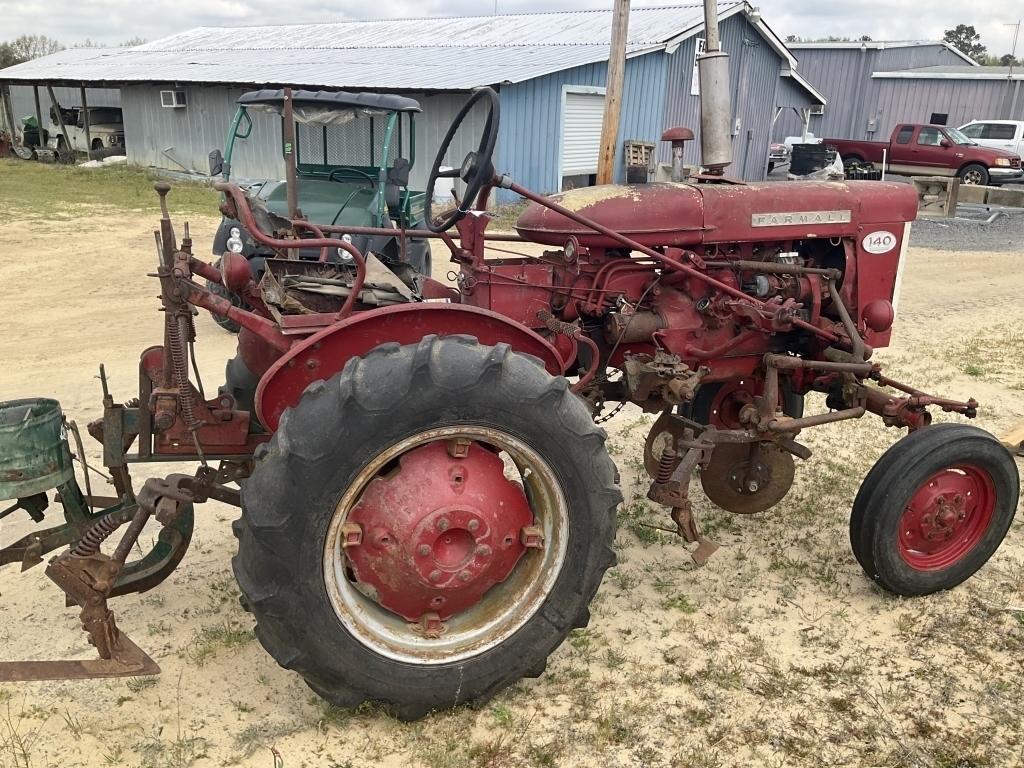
{"points": [[326, 352]]}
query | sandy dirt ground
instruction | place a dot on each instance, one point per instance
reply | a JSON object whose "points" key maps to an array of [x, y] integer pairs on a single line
{"points": [[778, 652]]}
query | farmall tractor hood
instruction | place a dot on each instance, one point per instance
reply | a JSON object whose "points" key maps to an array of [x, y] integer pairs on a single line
{"points": [[680, 214]]}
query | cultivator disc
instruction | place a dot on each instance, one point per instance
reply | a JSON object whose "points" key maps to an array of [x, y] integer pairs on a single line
{"points": [[747, 478]]}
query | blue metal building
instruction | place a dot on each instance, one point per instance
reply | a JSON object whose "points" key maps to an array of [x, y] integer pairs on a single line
{"points": [[549, 69], [850, 76]]}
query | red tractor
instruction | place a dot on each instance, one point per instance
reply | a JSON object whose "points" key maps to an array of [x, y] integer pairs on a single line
{"points": [[428, 507]]}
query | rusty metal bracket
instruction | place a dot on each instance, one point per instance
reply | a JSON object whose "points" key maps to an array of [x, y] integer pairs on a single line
{"points": [[86, 581], [671, 488]]}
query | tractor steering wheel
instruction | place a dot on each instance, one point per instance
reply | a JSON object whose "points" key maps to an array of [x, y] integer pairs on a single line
{"points": [[476, 170], [355, 171]]}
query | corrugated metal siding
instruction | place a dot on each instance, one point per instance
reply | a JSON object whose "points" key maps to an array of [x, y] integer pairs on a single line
{"points": [[916, 56], [528, 141], [754, 74], [844, 76], [790, 94], [182, 138], [963, 100]]}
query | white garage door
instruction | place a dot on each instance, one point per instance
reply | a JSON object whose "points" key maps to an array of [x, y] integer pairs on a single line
{"points": [[581, 133]]}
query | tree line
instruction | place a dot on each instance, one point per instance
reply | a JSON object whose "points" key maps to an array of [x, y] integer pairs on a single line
{"points": [[27, 47]]}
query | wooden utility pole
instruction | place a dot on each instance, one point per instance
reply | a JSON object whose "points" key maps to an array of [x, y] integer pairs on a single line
{"points": [[613, 93]]}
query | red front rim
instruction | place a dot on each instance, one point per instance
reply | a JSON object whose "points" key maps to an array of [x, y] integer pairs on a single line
{"points": [[730, 399], [946, 517]]}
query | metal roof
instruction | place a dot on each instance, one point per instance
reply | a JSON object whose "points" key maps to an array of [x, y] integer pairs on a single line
{"points": [[391, 54], [647, 27], [879, 45], [331, 100], [945, 72]]}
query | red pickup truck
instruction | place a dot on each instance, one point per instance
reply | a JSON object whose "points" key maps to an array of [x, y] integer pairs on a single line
{"points": [[933, 150]]}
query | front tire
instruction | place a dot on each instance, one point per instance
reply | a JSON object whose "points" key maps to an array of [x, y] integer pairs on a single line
{"points": [[934, 509], [974, 174], [377, 432]]}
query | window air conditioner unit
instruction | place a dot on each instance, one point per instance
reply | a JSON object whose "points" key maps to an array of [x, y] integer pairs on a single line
{"points": [[172, 99]]}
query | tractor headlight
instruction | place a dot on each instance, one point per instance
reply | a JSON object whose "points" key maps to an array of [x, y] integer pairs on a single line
{"points": [[234, 243], [342, 253], [1003, 161]]}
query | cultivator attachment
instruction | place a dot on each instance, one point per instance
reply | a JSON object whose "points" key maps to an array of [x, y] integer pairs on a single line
{"points": [[34, 460]]}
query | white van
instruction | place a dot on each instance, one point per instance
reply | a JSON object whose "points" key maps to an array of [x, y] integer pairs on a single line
{"points": [[998, 134]]}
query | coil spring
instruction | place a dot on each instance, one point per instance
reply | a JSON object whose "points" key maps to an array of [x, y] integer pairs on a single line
{"points": [[95, 536], [555, 325], [177, 349], [666, 464]]}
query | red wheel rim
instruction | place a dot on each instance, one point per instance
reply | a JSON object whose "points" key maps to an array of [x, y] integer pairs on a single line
{"points": [[730, 400], [946, 517]]}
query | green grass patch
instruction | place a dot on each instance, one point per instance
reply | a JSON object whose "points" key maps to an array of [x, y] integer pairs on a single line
{"points": [[506, 215], [61, 192]]}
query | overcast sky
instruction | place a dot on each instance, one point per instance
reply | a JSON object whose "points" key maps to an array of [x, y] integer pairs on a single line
{"points": [[114, 21]]}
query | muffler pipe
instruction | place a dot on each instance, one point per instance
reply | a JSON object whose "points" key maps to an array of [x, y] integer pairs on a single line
{"points": [[715, 108]]}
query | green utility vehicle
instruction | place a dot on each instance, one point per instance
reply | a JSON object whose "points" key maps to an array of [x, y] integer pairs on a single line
{"points": [[348, 156]]}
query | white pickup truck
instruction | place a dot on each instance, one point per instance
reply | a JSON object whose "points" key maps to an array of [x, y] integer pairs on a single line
{"points": [[106, 130], [998, 134]]}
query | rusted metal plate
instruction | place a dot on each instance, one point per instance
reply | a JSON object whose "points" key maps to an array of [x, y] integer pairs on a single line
{"points": [[129, 661]]}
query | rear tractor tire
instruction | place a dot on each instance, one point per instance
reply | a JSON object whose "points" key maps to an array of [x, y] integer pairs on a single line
{"points": [[426, 527], [934, 509]]}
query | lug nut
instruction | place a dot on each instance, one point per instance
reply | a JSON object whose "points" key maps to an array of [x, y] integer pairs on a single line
{"points": [[443, 524], [423, 549], [465, 576], [473, 524], [435, 576], [752, 486], [483, 550]]}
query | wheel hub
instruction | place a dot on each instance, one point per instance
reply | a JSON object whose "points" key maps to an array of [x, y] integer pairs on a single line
{"points": [[429, 538], [946, 517]]}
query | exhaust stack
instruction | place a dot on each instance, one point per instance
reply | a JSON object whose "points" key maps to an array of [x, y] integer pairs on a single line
{"points": [[715, 109]]}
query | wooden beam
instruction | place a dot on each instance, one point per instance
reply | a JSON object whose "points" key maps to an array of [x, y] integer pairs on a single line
{"points": [[60, 120], [40, 141], [85, 121], [613, 93], [5, 98]]}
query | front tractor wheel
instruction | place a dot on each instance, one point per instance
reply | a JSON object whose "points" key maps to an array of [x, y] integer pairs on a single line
{"points": [[426, 527], [934, 509]]}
